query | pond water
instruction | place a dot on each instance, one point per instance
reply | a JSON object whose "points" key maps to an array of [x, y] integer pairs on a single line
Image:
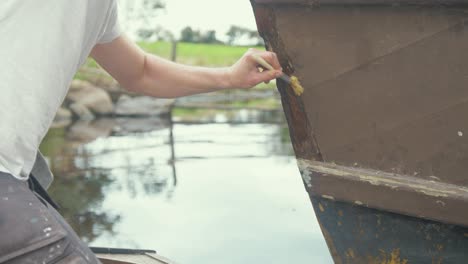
{"points": [[221, 187]]}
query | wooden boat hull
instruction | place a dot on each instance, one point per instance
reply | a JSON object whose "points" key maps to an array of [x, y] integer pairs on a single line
{"points": [[146, 258], [129, 256], [381, 131]]}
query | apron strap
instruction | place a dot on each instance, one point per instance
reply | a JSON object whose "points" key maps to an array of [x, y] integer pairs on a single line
{"points": [[36, 187], [42, 172]]}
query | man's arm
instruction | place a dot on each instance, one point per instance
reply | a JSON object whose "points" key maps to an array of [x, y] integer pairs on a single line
{"points": [[140, 72]]}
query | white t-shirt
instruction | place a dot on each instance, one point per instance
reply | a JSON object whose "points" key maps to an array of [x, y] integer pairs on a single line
{"points": [[42, 45]]}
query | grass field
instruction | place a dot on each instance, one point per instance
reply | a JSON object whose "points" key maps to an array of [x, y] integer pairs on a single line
{"points": [[198, 54], [210, 55]]}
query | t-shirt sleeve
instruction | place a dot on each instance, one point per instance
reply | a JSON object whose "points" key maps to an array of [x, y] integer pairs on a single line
{"points": [[111, 28]]}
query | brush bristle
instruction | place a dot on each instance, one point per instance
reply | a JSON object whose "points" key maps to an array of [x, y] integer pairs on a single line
{"points": [[296, 85]]}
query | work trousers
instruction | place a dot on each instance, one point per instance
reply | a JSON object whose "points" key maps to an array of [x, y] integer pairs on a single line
{"points": [[32, 231]]}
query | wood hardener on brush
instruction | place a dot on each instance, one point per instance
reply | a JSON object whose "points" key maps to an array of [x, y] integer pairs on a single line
{"points": [[293, 81]]}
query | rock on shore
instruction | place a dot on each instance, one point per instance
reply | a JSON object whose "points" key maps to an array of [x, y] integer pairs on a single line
{"points": [[142, 106], [96, 99]]}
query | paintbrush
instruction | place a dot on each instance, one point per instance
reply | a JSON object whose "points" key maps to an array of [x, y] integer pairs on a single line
{"points": [[292, 81]]}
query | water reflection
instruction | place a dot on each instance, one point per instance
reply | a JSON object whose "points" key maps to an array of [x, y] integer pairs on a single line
{"points": [[170, 183]]}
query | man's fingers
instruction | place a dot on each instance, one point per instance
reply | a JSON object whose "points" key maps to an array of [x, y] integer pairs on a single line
{"points": [[271, 58], [267, 76], [274, 61], [256, 71], [268, 56]]}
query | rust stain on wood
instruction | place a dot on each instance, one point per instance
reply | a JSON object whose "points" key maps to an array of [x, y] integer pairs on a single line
{"points": [[384, 257], [350, 253], [331, 246], [321, 208]]}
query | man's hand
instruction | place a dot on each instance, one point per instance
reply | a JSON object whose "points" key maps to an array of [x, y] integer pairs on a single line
{"points": [[245, 72], [140, 72]]}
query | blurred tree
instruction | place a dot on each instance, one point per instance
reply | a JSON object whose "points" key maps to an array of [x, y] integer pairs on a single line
{"points": [[255, 36], [187, 35], [137, 17], [195, 36], [209, 37], [161, 33], [234, 33], [146, 33], [237, 34]]}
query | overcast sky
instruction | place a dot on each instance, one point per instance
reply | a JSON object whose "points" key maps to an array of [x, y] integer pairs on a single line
{"points": [[205, 15]]}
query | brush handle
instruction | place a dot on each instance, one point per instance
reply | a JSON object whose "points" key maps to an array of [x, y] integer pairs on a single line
{"points": [[267, 66], [262, 62]]}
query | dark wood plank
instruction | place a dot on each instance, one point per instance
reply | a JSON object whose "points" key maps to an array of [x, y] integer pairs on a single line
{"points": [[386, 93], [364, 2], [404, 194]]}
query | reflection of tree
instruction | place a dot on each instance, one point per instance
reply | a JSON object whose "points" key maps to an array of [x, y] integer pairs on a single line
{"points": [[79, 192], [80, 198], [281, 144], [81, 183], [138, 178], [132, 163]]}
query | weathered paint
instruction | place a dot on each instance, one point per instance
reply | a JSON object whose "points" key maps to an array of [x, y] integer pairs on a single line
{"points": [[321, 208], [434, 200], [350, 253], [390, 180], [329, 197], [372, 236], [388, 258], [306, 176]]}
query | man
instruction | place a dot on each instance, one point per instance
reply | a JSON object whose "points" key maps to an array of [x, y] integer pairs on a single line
{"points": [[43, 45]]}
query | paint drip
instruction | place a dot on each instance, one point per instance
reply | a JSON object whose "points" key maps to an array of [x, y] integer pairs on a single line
{"points": [[296, 86]]}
